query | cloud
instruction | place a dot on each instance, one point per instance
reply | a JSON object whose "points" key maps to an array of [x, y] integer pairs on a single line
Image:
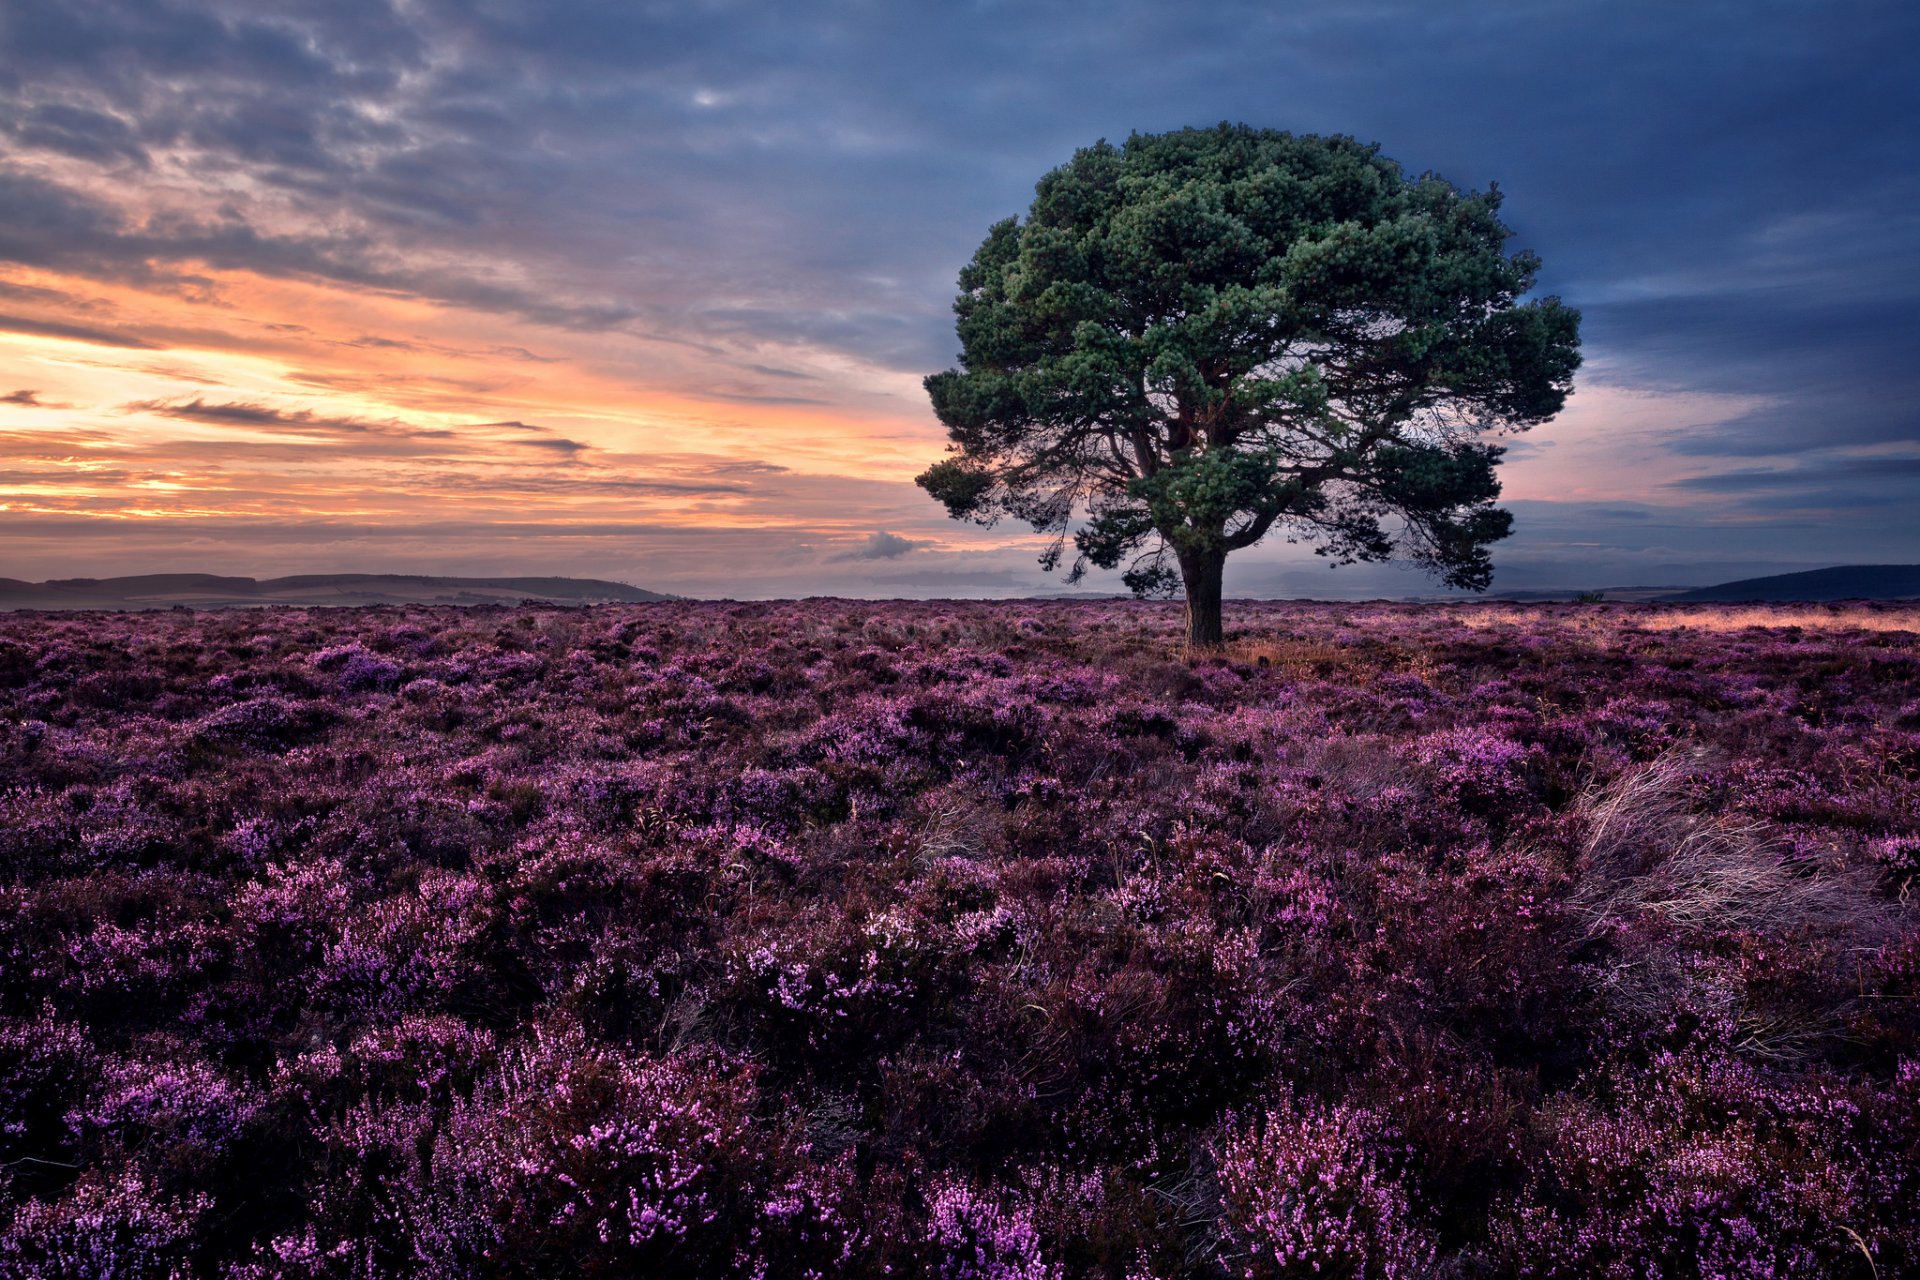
{"points": [[528, 436], [73, 333], [484, 436], [55, 226], [510, 484], [1895, 471], [881, 545], [255, 415], [732, 396], [30, 400], [79, 132], [657, 168], [1833, 369]]}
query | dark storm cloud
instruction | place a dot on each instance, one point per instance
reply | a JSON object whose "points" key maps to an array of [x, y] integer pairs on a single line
{"points": [[1726, 191]]}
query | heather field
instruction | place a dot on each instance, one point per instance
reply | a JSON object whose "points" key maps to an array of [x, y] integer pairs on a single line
{"points": [[960, 940]]}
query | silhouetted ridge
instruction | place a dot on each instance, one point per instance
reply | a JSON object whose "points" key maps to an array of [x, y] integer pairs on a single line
{"points": [[211, 591], [1843, 582]]}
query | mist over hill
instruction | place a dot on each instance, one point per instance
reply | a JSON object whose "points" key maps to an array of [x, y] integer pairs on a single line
{"points": [[211, 591]]}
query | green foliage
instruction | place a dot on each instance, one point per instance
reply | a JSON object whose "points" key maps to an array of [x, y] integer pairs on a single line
{"points": [[1201, 337]]}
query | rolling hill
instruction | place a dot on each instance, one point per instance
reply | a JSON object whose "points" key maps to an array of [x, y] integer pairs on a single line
{"points": [[209, 591], [1843, 582]]}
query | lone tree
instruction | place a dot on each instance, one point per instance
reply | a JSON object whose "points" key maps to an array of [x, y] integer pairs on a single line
{"points": [[1202, 337]]}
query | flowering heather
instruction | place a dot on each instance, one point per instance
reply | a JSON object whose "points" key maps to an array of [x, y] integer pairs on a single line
{"points": [[962, 940]]}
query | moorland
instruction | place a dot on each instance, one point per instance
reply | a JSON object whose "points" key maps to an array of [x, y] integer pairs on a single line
{"points": [[960, 939]]}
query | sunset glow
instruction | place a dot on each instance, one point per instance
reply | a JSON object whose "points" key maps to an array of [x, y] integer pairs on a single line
{"points": [[651, 297], [335, 416]]}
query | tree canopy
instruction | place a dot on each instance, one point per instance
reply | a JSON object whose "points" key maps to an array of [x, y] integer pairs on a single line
{"points": [[1203, 337]]}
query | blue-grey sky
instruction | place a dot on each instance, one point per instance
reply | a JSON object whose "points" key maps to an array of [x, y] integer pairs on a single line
{"points": [[645, 291]]}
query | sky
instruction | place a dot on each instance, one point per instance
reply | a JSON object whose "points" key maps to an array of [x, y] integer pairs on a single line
{"points": [[646, 291]]}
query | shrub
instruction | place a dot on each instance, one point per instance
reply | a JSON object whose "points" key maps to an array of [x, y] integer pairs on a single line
{"points": [[1310, 1190], [846, 939]]}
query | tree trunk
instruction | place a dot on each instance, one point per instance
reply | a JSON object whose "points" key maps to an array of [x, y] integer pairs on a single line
{"points": [[1202, 572]]}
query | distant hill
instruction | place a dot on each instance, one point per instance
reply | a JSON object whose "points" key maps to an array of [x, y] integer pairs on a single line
{"points": [[1845, 582], [1561, 595], [208, 591]]}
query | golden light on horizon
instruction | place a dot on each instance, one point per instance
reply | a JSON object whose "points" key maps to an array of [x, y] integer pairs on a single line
{"points": [[250, 399]]}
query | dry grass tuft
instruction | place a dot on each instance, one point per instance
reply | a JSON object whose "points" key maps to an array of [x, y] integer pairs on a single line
{"points": [[1652, 866], [1648, 852]]}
